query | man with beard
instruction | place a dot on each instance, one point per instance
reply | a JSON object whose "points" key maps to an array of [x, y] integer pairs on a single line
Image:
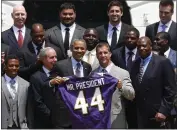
{"points": [[63, 34], [124, 58], [91, 39], [18, 35], [153, 79], [114, 31]]}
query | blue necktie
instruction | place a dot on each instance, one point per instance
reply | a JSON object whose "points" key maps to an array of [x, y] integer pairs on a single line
{"points": [[78, 69], [129, 60], [163, 27]]}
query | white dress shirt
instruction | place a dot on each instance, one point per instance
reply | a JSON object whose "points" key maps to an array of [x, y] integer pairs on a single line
{"points": [[74, 65], [166, 54], [92, 57], [127, 55], [110, 32], [108, 68], [71, 31], [11, 90], [15, 29], [35, 47], [166, 29], [46, 71]]}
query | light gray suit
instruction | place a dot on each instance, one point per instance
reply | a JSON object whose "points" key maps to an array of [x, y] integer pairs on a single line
{"points": [[118, 119], [54, 36], [22, 103]]}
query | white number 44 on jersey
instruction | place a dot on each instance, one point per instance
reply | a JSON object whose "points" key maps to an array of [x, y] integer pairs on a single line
{"points": [[96, 101]]}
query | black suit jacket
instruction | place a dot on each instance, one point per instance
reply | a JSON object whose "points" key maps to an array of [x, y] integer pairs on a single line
{"points": [[103, 31], [64, 68], [54, 36], [28, 59], [44, 99], [8, 37], [156, 91], [151, 32], [119, 58]]}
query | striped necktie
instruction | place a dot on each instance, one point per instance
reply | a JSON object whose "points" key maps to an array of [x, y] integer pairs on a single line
{"points": [[141, 71]]}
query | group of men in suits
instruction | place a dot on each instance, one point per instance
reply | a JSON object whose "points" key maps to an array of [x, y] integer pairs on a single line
{"points": [[59, 51]]}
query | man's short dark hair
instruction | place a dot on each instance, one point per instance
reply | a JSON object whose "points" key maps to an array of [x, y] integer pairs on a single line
{"points": [[166, 3], [9, 57], [67, 6], [165, 36], [101, 44], [135, 30], [115, 3]]}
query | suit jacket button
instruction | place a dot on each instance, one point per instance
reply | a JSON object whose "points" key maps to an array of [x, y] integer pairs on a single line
{"points": [[144, 99]]}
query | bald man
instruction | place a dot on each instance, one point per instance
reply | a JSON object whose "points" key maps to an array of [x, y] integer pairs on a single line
{"points": [[153, 79], [91, 39], [29, 55], [18, 35]]}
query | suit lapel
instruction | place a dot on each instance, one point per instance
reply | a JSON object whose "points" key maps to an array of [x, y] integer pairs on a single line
{"points": [[105, 31], [27, 37], [12, 38], [70, 67], [171, 29], [21, 89], [85, 69], [59, 37], [5, 90], [149, 69], [123, 57], [75, 34], [121, 36], [156, 28]]}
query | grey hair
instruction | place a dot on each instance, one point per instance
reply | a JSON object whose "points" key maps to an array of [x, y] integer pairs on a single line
{"points": [[75, 40], [43, 51]]}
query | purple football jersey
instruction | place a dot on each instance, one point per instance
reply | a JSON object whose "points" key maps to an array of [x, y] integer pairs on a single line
{"points": [[89, 100]]}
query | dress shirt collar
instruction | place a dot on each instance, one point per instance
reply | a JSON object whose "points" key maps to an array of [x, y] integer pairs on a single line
{"points": [[74, 62], [72, 27], [15, 29], [34, 45], [147, 59], [46, 71], [8, 79], [127, 50], [108, 68], [167, 24], [118, 26], [166, 54], [92, 52]]}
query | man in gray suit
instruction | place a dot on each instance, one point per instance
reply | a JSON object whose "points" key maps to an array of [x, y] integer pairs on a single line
{"points": [[13, 96], [126, 90], [63, 34]]}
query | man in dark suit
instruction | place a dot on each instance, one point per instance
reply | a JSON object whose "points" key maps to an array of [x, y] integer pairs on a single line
{"points": [[153, 79], [124, 58], [114, 31], [162, 39], [29, 61], [166, 10], [43, 96], [4, 54], [63, 34], [18, 35], [125, 55], [69, 67]]}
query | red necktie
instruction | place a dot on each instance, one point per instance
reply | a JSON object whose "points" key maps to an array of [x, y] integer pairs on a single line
{"points": [[20, 38]]}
